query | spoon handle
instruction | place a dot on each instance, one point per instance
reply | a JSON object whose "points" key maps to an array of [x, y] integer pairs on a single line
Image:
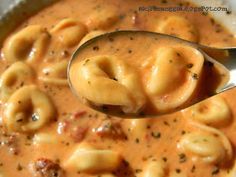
{"points": [[229, 61]]}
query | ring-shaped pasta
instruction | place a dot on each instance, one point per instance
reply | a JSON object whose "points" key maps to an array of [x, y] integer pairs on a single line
{"points": [[207, 112], [55, 74], [210, 145], [107, 80], [69, 32], [27, 110], [29, 44], [225, 141], [88, 159], [103, 18], [202, 145], [155, 169], [17, 75], [180, 27], [168, 93]]}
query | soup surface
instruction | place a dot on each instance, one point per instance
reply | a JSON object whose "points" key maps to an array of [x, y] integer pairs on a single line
{"points": [[46, 132]]}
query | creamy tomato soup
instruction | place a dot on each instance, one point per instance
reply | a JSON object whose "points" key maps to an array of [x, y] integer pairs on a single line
{"points": [[46, 132]]}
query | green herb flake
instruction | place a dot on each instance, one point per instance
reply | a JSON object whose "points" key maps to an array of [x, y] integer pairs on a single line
{"points": [[166, 123], [156, 135], [19, 167], [96, 48], [86, 61], [182, 158], [122, 16], [190, 65], [215, 170], [193, 168], [164, 159], [178, 170], [138, 170], [195, 76]]}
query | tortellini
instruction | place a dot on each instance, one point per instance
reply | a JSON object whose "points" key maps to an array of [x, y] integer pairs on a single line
{"points": [[172, 82], [91, 160], [155, 169], [108, 80], [29, 44], [55, 73], [91, 35], [27, 110], [178, 26], [204, 146], [159, 168], [213, 111], [69, 32], [102, 18], [17, 75]]}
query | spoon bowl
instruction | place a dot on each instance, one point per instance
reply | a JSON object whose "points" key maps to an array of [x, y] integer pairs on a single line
{"points": [[142, 43]]}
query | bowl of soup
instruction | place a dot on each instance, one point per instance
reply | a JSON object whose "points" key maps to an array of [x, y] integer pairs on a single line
{"points": [[46, 131]]}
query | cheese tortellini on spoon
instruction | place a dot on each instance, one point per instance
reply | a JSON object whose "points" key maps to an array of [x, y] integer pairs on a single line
{"points": [[17, 75], [27, 110], [29, 44], [174, 76], [107, 80]]}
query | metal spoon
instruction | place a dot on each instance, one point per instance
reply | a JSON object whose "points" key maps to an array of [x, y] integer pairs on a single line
{"points": [[224, 58]]}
